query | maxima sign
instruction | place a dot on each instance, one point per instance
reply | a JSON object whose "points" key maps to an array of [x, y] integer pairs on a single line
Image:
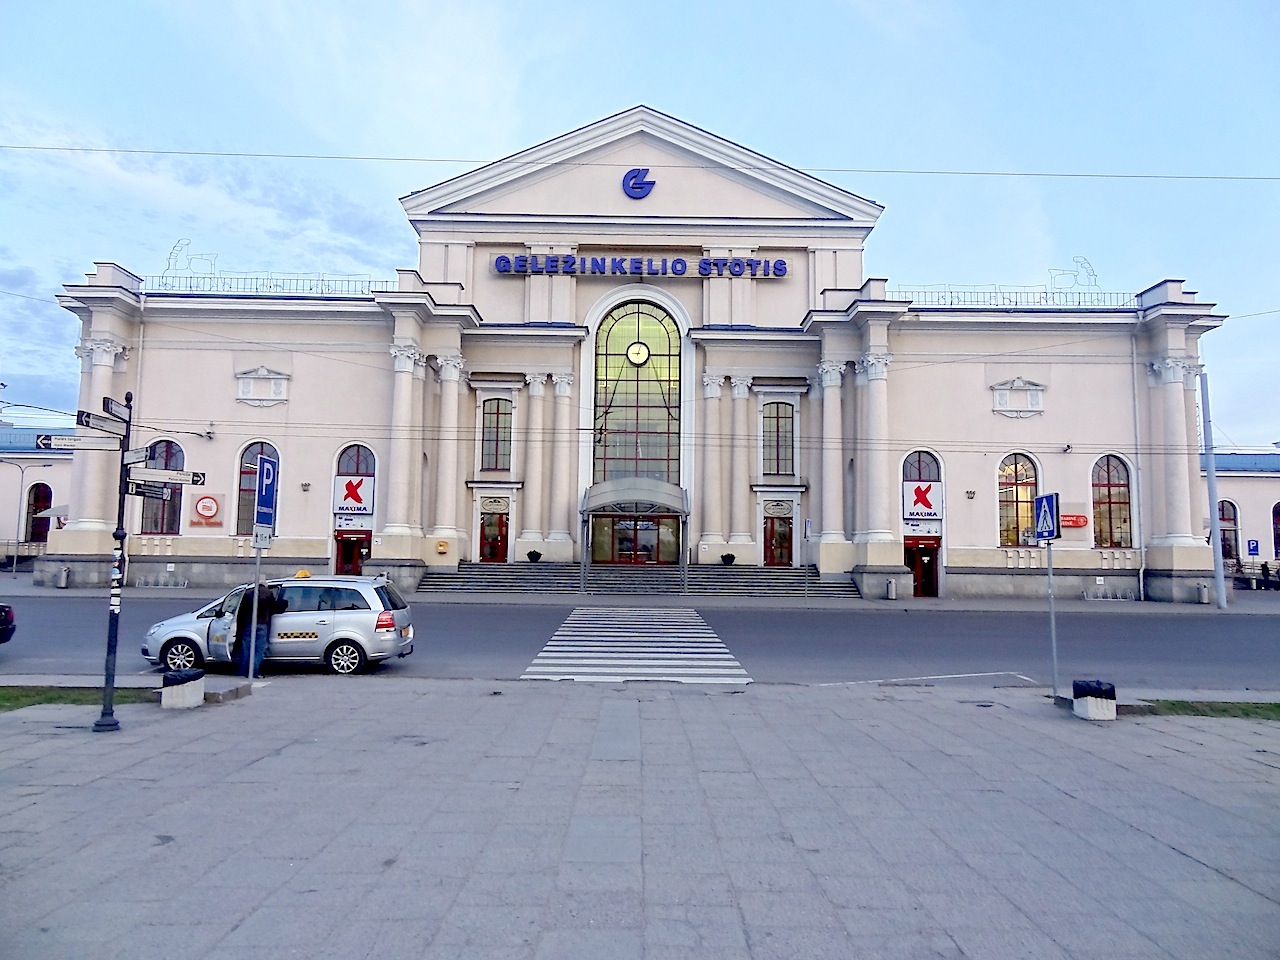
{"points": [[922, 500], [614, 266]]}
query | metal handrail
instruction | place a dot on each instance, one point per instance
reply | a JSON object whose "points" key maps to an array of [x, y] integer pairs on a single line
{"points": [[316, 285], [1015, 298]]}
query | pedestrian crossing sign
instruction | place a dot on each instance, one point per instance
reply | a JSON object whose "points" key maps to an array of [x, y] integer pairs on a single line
{"points": [[1048, 526]]}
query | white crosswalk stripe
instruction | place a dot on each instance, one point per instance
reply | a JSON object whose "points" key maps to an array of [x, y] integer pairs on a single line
{"points": [[611, 644]]}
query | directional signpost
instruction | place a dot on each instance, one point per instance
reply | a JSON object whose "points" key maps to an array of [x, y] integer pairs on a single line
{"points": [[151, 491], [62, 441], [191, 477], [1048, 522], [264, 522], [106, 424], [118, 420]]}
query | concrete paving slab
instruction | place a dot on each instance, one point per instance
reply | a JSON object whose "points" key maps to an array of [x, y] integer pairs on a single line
{"points": [[398, 817]]}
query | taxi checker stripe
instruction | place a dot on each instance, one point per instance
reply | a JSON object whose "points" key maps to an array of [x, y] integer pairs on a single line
{"points": [[628, 643], [297, 635]]}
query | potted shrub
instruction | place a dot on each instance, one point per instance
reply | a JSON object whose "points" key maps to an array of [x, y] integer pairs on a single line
{"points": [[534, 556], [726, 559]]}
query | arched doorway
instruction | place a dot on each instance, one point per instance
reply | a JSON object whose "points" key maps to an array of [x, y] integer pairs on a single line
{"points": [[922, 521], [353, 508], [39, 500], [636, 436]]}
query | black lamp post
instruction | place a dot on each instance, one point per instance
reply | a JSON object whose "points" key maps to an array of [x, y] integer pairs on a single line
{"points": [[108, 722]]}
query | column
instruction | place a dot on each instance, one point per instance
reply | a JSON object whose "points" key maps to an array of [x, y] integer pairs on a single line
{"points": [[399, 503], [740, 505], [881, 490], [1177, 481], [832, 372], [447, 448], [563, 499], [534, 482], [94, 473], [712, 444]]}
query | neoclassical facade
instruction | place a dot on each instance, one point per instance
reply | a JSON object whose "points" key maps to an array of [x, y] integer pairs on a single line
{"points": [[639, 343]]}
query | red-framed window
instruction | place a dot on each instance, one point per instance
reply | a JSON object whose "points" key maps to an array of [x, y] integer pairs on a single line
{"points": [[1229, 527], [1112, 510], [921, 465], [356, 461], [164, 517], [1017, 492], [249, 484], [495, 435], [778, 427]]}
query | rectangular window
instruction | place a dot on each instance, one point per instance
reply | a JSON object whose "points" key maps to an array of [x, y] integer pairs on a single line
{"points": [[779, 439], [495, 440]]}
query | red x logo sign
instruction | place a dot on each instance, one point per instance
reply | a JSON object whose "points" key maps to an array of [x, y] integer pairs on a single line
{"points": [[353, 491], [922, 497]]}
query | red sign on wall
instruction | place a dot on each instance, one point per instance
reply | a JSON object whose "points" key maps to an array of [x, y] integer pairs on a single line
{"points": [[1074, 520]]}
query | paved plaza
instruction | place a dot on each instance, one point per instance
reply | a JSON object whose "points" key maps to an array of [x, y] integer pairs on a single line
{"points": [[374, 816]]}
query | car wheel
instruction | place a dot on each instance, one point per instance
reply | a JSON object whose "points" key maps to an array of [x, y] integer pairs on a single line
{"points": [[345, 656], [180, 655]]}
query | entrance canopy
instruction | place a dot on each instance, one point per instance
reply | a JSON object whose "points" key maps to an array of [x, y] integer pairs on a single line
{"points": [[635, 495]]}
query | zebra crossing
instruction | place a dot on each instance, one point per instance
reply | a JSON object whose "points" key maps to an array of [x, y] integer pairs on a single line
{"points": [[611, 644]]}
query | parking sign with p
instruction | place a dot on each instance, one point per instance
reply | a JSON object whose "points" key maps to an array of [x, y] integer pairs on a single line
{"points": [[264, 512]]}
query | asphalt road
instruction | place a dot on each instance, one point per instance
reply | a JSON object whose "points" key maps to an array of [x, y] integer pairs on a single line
{"points": [[1163, 648]]}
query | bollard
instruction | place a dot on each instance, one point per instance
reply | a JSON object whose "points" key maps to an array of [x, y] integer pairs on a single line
{"points": [[1202, 593], [182, 689], [891, 589], [64, 578], [1093, 699]]}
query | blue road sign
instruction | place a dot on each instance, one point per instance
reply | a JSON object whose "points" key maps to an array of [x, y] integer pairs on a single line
{"points": [[1254, 548], [264, 509], [1048, 520]]}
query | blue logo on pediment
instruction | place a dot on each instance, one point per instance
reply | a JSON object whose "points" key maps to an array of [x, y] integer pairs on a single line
{"points": [[635, 185]]}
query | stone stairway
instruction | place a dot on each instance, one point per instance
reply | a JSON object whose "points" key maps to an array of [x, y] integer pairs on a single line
{"points": [[704, 581]]}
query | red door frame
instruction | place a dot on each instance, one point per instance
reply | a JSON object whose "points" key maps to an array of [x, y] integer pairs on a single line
{"points": [[352, 549], [499, 553], [773, 557], [920, 554]]}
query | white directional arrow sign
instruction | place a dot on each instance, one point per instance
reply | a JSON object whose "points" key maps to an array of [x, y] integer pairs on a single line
{"points": [[59, 441], [167, 476]]}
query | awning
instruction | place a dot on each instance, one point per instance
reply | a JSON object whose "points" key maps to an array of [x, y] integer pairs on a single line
{"points": [[634, 495], [61, 511]]}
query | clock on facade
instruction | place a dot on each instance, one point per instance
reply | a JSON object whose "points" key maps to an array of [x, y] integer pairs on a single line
{"points": [[638, 353]]}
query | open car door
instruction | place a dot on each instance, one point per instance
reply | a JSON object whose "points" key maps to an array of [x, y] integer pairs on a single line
{"points": [[222, 629]]}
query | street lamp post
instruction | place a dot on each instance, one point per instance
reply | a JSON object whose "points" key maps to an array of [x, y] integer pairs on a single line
{"points": [[22, 486]]}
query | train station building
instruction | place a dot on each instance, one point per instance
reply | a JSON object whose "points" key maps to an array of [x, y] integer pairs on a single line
{"points": [[642, 344]]}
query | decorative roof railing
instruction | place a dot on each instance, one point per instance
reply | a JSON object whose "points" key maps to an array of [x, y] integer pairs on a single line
{"points": [[309, 285], [1016, 298]]}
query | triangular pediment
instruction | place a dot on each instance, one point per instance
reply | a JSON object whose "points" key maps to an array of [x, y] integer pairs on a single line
{"points": [[695, 175]]}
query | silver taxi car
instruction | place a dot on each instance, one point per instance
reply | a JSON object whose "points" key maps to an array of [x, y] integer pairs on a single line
{"points": [[342, 622]]}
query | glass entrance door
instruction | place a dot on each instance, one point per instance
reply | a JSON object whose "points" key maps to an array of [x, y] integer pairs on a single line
{"points": [[777, 541], [632, 539], [493, 538], [921, 557]]}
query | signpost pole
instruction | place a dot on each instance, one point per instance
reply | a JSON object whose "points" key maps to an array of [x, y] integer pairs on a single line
{"points": [[107, 722], [264, 520], [1053, 620]]}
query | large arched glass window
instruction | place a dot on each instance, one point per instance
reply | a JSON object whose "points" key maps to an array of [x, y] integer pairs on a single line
{"points": [[921, 465], [1017, 482], [249, 484], [164, 517], [637, 401], [495, 435], [1229, 526], [356, 461], [778, 427], [1111, 508]]}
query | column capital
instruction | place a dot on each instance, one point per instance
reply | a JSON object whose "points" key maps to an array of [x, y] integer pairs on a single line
{"points": [[712, 386], [563, 382], [450, 368], [741, 387], [407, 356], [102, 351], [1173, 369], [831, 372], [874, 366], [537, 383]]}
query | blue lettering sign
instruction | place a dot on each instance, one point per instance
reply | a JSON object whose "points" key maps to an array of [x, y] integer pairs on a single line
{"points": [[553, 264], [779, 268], [637, 265], [502, 263], [737, 266], [634, 184], [568, 263], [598, 264], [678, 266], [618, 265], [704, 267], [520, 264]]}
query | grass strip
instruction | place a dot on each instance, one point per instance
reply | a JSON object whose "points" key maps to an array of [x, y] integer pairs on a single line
{"points": [[15, 698], [1197, 708]]}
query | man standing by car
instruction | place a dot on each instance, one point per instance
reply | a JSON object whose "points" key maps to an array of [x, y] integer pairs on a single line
{"points": [[266, 603]]}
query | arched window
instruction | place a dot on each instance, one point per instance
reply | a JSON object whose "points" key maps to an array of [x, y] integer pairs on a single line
{"points": [[39, 499], [356, 461], [249, 484], [164, 517], [1017, 482], [637, 401], [495, 435], [778, 426], [1111, 508], [921, 465], [1229, 526]]}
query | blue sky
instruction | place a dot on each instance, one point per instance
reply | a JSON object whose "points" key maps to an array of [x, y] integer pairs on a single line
{"points": [[834, 88]]}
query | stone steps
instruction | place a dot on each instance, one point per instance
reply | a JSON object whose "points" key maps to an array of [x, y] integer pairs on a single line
{"points": [[706, 580]]}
